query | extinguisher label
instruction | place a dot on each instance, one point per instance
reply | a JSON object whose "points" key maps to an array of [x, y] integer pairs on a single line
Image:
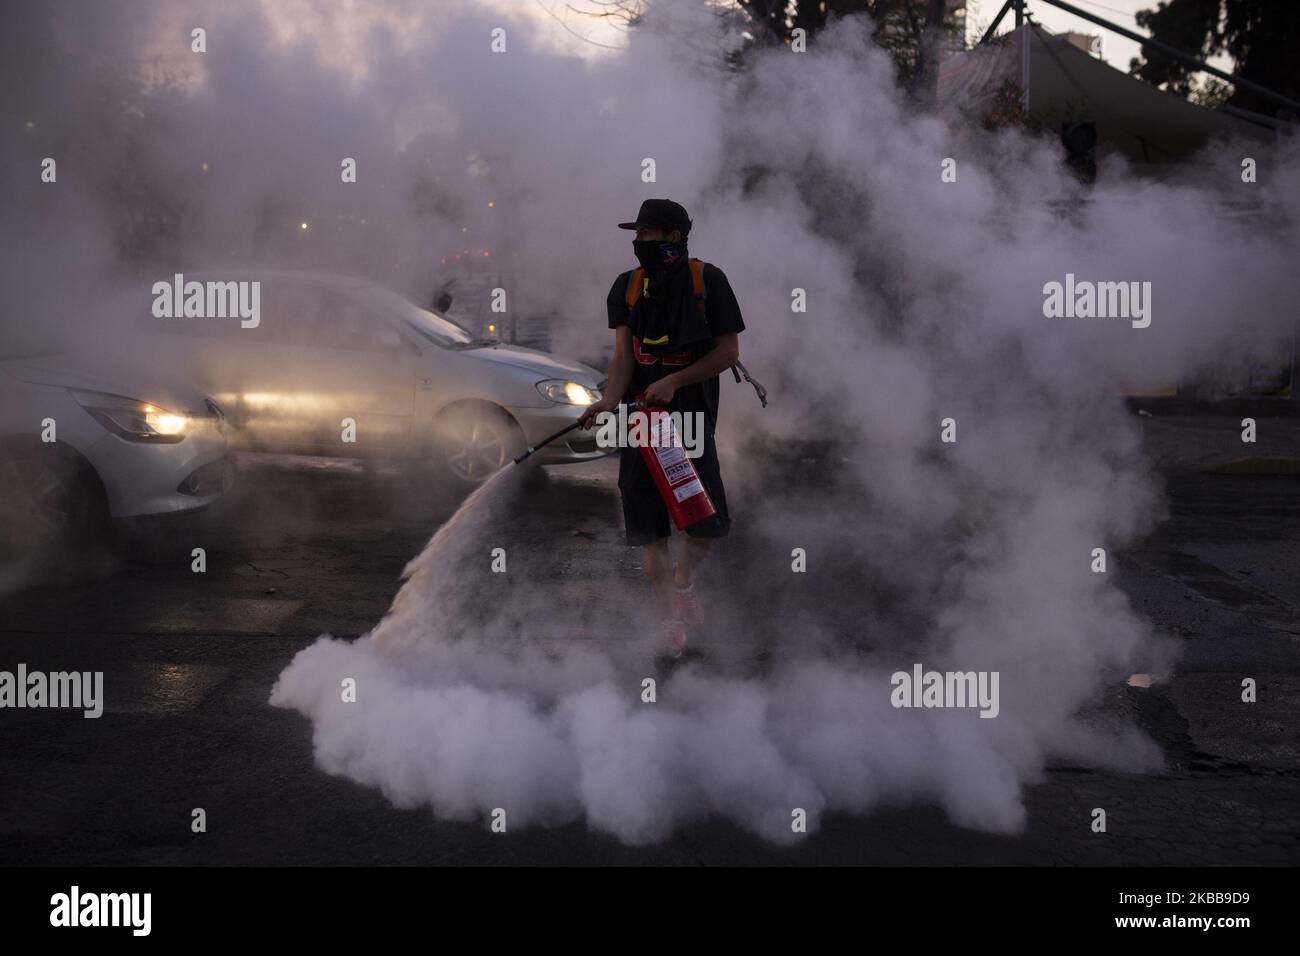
{"points": [[676, 466], [662, 432], [689, 490]]}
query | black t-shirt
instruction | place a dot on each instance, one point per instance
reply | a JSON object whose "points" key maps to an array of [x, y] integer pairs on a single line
{"points": [[721, 311]]}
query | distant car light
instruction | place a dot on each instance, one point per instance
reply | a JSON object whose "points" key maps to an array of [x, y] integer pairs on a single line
{"points": [[568, 393]]}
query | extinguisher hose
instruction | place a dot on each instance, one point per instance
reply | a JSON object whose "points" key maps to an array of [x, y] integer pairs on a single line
{"points": [[560, 434], [546, 441]]}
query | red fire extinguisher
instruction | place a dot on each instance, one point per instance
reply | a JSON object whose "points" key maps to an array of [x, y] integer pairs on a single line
{"points": [[673, 471]]}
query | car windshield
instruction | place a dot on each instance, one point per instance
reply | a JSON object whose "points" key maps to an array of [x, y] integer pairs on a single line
{"points": [[427, 324]]}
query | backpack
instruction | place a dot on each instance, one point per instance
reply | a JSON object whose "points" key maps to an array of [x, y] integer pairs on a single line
{"points": [[637, 284]]}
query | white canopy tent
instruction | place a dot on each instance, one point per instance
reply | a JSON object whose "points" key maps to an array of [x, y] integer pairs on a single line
{"points": [[1060, 82]]}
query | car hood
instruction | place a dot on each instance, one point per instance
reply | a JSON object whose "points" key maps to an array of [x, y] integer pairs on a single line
{"points": [[543, 364], [62, 370]]}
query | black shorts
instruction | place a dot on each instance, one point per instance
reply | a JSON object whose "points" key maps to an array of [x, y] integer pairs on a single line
{"points": [[645, 516]]}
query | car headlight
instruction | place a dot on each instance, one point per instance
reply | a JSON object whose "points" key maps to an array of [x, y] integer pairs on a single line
{"points": [[132, 419], [568, 393]]}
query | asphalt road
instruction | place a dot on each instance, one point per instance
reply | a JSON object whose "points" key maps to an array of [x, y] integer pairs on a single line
{"points": [[308, 547]]}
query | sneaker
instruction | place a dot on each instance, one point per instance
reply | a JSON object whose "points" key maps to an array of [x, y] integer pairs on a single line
{"points": [[674, 637], [688, 606]]}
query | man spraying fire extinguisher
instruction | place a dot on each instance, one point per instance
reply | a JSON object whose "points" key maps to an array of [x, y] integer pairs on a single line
{"points": [[676, 324]]}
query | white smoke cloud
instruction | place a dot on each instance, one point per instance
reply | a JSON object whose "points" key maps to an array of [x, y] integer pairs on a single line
{"points": [[924, 303]]}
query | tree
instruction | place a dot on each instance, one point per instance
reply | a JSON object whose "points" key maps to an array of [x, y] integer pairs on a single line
{"points": [[901, 25], [1261, 37]]}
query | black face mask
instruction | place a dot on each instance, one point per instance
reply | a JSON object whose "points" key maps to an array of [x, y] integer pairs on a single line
{"points": [[656, 255]]}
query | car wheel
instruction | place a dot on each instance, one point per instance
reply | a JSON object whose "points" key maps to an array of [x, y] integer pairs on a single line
{"points": [[475, 442], [50, 501]]}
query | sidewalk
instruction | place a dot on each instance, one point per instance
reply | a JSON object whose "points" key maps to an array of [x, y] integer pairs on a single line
{"points": [[1212, 444]]}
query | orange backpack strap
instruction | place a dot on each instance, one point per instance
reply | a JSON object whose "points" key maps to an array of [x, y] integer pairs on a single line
{"points": [[697, 280], [634, 283]]}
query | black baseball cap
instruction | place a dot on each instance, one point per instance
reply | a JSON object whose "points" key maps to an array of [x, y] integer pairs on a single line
{"points": [[660, 214]]}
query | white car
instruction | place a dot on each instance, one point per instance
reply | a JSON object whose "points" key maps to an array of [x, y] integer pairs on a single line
{"points": [[80, 446], [343, 367]]}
